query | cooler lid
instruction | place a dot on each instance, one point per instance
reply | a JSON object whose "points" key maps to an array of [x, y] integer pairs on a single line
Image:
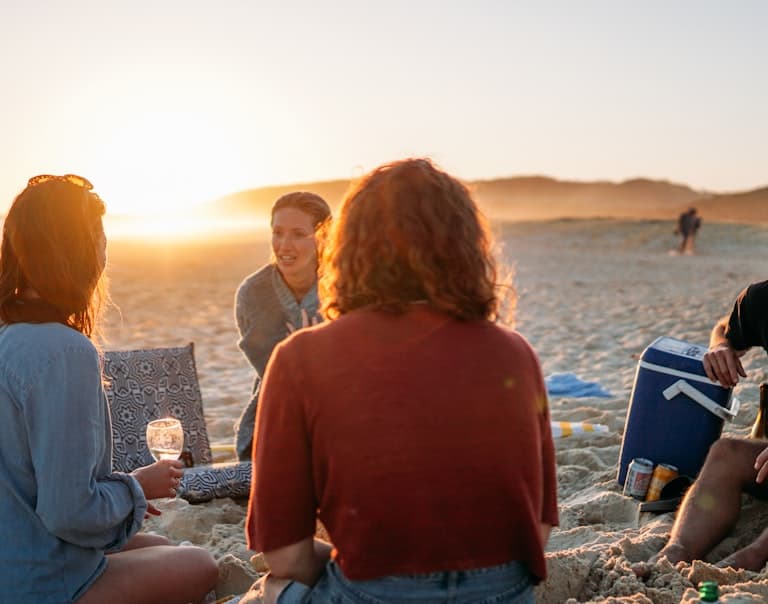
{"points": [[671, 352]]}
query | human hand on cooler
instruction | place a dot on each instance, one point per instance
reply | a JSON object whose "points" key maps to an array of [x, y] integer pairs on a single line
{"points": [[160, 479], [761, 465], [722, 364]]}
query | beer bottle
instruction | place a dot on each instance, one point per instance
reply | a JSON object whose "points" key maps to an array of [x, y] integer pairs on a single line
{"points": [[709, 591], [760, 427]]}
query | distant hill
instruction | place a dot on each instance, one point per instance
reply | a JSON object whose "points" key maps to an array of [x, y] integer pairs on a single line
{"points": [[543, 198], [260, 200], [516, 198], [539, 197], [750, 206], [536, 198]]}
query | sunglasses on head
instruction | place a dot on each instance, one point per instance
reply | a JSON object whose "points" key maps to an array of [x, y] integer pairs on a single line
{"points": [[74, 179]]}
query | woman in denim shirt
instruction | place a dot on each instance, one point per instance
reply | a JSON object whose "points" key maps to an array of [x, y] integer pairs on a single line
{"points": [[281, 296], [68, 524]]}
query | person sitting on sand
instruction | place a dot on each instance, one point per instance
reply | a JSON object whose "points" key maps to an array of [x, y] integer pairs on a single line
{"points": [[281, 296], [733, 465], [68, 523], [688, 223], [411, 425]]}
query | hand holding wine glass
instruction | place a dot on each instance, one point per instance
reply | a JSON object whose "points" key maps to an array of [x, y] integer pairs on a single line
{"points": [[165, 440]]}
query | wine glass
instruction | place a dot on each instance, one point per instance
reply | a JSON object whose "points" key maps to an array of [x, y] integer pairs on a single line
{"points": [[165, 438]]}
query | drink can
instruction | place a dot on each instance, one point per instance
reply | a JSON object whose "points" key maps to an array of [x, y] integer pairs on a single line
{"points": [[638, 478], [662, 474]]}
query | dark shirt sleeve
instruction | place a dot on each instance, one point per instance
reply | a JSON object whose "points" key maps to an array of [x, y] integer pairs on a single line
{"points": [[748, 322]]}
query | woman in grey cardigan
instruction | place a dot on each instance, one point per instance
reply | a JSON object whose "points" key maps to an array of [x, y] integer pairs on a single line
{"points": [[281, 296], [68, 523]]}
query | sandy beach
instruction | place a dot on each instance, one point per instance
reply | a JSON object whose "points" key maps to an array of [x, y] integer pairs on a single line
{"points": [[592, 295]]}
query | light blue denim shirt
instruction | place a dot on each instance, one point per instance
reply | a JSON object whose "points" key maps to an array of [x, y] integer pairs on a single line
{"points": [[264, 305], [61, 506]]}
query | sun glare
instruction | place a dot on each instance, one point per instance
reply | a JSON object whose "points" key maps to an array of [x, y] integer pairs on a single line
{"points": [[165, 162], [175, 226], [159, 168]]}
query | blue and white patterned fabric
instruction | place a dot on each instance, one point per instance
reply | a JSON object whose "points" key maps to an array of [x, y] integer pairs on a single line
{"points": [[143, 385], [146, 384], [204, 483]]}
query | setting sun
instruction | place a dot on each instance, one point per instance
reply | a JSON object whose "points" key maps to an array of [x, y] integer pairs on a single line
{"points": [[174, 226], [164, 163]]}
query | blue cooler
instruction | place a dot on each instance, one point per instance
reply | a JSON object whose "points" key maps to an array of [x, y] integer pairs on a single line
{"points": [[675, 411]]}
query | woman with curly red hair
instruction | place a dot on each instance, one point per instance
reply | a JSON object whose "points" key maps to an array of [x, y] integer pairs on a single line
{"points": [[414, 427]]}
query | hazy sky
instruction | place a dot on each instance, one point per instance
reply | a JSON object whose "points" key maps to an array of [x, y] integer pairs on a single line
{"points": [[167, 102]]}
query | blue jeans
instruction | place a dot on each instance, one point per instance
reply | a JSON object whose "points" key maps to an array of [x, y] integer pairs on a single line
{"points": [[506, 584]]}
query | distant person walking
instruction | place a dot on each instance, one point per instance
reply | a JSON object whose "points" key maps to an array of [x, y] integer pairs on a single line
{"points": [[687, 225]]}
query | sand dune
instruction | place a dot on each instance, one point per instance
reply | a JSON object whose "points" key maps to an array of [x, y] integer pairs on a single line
{"points": [[750, 206], [592, 295], [544, 198]]}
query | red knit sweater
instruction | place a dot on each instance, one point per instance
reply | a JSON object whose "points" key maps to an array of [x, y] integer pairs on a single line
{"points": [[421, 442]]}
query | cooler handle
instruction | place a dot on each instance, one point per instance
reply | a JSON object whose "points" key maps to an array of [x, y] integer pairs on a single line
{"points": [[724, 413]]}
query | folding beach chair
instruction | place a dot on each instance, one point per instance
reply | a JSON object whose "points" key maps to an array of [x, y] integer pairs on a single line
{"points": [[147, 384]]}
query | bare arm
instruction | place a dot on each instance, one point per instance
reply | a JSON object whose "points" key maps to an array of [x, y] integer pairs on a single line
{"points": [[544, 530], [302, 561], [722, 362], [717, 337]]}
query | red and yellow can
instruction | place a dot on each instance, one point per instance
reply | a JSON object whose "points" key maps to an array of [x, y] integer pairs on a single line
{"points": [[662, 474], [639, 475]]}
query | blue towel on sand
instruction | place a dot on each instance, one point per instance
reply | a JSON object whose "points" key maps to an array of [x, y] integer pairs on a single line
{"points": [[568, 384]]}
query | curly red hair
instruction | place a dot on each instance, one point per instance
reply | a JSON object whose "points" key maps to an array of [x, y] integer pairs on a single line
{"points": [[409, 232]]}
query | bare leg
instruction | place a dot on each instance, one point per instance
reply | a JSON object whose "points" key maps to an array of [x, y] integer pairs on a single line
{"points": [[140, 540], [154, 575], [752, 557], [711, 507]]}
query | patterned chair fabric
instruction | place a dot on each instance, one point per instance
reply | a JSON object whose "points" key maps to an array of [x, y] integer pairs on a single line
{"points": [[219, 480], [142, 385]]}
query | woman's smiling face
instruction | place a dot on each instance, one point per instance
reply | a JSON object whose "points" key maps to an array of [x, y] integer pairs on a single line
{"points": [[293, 244]]}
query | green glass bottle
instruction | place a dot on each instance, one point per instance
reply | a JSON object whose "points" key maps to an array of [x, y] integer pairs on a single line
{"points": [[709, 591]]}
